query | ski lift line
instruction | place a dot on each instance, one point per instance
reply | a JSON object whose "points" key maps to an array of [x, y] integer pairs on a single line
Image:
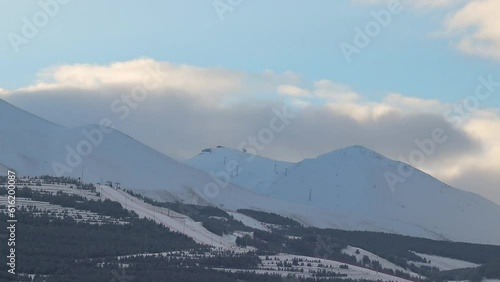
{"points": [[131, 198]]}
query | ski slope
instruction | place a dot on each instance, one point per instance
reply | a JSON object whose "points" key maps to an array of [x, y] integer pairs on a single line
{"points": [[248, 221], [443, 263], [174, 221]]}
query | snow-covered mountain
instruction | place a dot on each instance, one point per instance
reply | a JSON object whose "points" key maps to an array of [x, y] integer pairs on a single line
{"points": [[347, 187], [244, 169], [352, 183], [353, 180], [31, 145]]}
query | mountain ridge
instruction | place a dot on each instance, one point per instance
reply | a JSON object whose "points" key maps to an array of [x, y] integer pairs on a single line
{"points": [[351, 181], [347, 193]]}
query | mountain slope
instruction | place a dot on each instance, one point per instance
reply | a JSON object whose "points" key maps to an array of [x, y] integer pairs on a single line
{"points": [[26, 139], [3, 169], [33, 145], [244, 169], [348, 188], [353, 181]]}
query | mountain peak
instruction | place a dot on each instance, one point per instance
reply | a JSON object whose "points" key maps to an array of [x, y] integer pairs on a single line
{"points": [[358, 148], [353, 151], [219, 148]]}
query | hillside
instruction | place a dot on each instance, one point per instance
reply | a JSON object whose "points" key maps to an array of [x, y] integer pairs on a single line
{"points": [[244, 169], [347, 188], [351, 183], [352, 180], [34, 144]]}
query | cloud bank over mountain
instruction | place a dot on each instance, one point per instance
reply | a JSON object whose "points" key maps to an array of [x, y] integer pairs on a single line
{"points": [[181, 109]]}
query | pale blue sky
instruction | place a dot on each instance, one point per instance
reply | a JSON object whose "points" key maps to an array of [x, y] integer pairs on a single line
{"points": [[281, 35]]}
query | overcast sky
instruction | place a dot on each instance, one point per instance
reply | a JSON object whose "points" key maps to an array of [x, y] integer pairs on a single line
{"points": [[222, 69]]}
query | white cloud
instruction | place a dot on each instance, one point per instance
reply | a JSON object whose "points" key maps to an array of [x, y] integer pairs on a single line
{"points": [[474, 24], [334, 92], [292, 90], [174, 77], [170, 78], [478, 26], [324, 90], [478, 173], [413, 104]]}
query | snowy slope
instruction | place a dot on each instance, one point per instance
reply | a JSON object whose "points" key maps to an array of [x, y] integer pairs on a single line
{"points": [[444, 263], [348, 187], [26, 139], [353, 272], [352, 181], [174, 221], [248, 221], [241, 168], [360, 253], [3, 169], [34, 144], [311, 267]]}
